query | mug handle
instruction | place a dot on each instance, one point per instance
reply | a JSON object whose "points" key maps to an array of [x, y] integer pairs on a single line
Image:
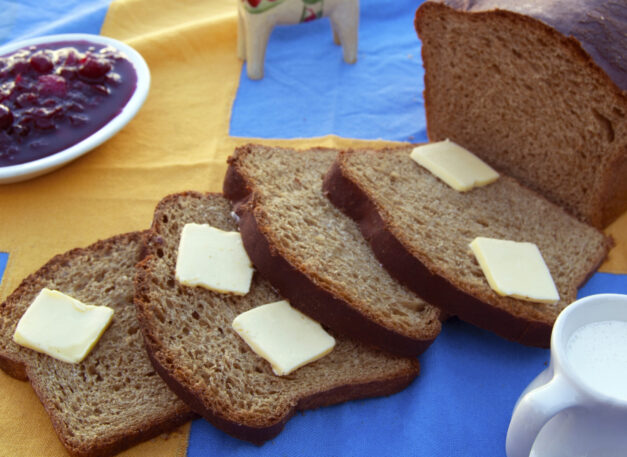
{"points": [[533, 411]]}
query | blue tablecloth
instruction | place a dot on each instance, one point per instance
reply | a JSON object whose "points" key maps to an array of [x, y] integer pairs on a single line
{"points": [[461, 403]]}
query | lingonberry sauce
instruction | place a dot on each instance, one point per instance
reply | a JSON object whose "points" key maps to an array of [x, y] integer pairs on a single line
{"points": [[52, 96]]}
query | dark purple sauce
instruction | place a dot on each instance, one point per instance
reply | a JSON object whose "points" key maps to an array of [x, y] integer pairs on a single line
{"points": [[52, 96]]}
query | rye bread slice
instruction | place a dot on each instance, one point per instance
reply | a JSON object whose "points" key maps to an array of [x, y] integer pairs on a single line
{"points": [[315, 255], [114, 398], [193, 346], [420, 229], [537, 89]]}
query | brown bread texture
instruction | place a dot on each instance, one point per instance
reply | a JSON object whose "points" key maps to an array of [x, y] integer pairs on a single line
{"points": [[420, 229], [188, 333], [114, 398], [316, 256], [538, 89]]}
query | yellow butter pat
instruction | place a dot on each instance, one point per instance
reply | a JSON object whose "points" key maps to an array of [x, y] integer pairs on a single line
{"points": [[213, 259], [61, 326], [515, 269], [455, 165], [283, 336]]}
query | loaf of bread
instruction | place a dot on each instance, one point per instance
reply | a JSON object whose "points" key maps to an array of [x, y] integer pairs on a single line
{"points": [[420, 230], [113, 398], [189, 335], [538, 89], [315, 256]]}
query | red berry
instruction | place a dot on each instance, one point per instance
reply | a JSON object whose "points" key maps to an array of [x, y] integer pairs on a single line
{"points": [[94, 68], [6, 117], [52, 85], [41, 63], [71, 58], [25, 99]]}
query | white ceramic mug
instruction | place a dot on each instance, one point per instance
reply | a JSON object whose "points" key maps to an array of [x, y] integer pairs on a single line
{"points": [[571, 409]]}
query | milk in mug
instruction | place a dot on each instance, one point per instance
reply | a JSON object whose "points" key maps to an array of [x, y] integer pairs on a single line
{"points": [[598, 354]]}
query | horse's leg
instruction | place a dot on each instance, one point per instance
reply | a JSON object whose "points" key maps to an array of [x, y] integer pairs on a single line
{"points": [[258, 29], [241, 36], [345, 24]]}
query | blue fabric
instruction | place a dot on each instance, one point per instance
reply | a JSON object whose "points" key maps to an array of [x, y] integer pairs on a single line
{"points": [[308, 90], [460, 405], [4, 258], [22, 19]]}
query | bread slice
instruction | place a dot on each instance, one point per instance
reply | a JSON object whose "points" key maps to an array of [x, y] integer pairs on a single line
{"points": [[113, 399], [420, 229], [193, 346], [315, 256], [538, 90]]}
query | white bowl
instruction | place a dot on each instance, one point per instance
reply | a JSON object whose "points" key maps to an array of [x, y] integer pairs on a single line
{"points": [[28, 170]]}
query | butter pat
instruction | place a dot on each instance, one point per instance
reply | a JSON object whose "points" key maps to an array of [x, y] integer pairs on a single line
{"points": [[214, 259], [61, 326], [456, 166], [515, 269], [283, 336]]}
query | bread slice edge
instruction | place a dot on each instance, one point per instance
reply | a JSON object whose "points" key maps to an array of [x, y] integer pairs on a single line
{"points": [[296, 286]]}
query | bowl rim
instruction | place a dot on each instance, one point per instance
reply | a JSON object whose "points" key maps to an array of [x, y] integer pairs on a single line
{"points": [[28, 170]]}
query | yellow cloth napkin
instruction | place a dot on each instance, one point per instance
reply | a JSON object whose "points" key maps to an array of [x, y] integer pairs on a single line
{"points": [[178, 141]]}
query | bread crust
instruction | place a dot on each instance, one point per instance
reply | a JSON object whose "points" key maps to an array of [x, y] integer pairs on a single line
{"points": [[595, 33], [102, 446], [177, 382], [297, 286], [255, 430], [349, 197], [594, 38], [264, 432], [320, 304]]}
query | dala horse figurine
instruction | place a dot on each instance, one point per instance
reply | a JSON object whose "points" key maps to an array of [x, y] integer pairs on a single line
{"points": [[257, 18]]}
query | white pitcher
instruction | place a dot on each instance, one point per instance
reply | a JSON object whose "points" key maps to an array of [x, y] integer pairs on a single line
{"points": [[564, 412]]}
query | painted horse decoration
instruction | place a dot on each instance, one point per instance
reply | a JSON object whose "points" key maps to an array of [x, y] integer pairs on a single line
{"points": [[257, 18]]}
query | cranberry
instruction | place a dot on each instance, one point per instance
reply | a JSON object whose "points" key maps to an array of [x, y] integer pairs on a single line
{"points": [[18, 66], [41, 63], [254, 3], [22, 129], [53, 96], [75, 106], [72, 58], [93, 68], [21, 83], [49, 102], [6, 117], [67, 73], [52, 85], [44, 123], [25, 100]]}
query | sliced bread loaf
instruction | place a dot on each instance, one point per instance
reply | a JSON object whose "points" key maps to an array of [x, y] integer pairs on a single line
{"points": [[538, 89], [315, 256], [113, 398], [189, 335], [420, 229]]}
